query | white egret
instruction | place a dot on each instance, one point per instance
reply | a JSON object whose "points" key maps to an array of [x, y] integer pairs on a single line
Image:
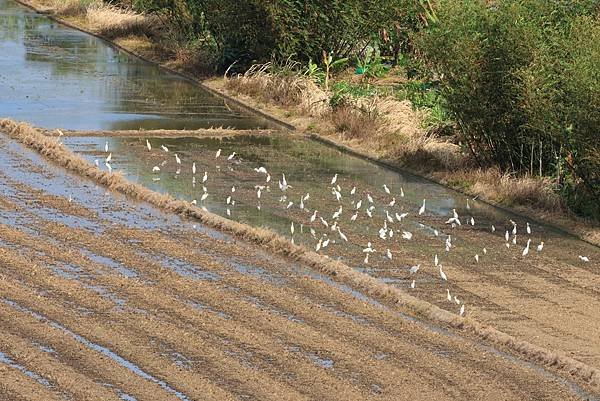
{"points": [[354, 216], [399, 217], [228, 212], [514, 240], [393, 202], [435, 260], [292, 228], [163, 147], [194, 168], [231, 156], [194, 202], [177, 159], [386, 189], [388, 253], [412, 285], [468, 206], [342, 235], [326, 243], [324, 222], [369, 198], [414, 269], [493, 228], [540, 246], [448, 296], [261, 170], [358, 204], [528, 229], [148, 145], [338, 195], [155, 169], [401, 192], [422, 209], [369, 213], [584, 259], [109, 158], [289, 205], [314, 216], [228, 200], [526, 250], [369, 248], [406, 235], [506, 236], [353, 190], [337, 214], [106, 147], [462, 310], [477, 258], [472, 221], [484, 251], [203, 197], [319, 245], [442, 274], [334, 179], [218, 154]]}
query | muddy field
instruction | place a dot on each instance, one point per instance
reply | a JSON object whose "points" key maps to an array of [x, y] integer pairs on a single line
{"points": [[105, 298]]}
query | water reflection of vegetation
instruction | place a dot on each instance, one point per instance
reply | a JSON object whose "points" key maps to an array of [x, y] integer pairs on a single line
{"points": [[64, 66]]}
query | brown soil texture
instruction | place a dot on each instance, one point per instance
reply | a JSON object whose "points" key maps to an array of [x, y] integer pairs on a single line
{"points": [[104, 298]]}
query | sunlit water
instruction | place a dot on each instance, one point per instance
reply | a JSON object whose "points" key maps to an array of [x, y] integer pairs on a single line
{"points": [[57, 77]]}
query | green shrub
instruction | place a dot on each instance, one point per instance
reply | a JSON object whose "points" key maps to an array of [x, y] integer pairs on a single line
{"points": [[258, 30], [522, 79]]}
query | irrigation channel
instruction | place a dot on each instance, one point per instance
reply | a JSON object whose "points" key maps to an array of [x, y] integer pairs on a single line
{"points": [[103, 297]]}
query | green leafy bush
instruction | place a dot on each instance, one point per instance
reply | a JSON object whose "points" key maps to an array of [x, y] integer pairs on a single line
{"points": [[522, 79]]}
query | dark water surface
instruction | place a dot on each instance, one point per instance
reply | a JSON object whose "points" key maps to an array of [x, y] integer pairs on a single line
{"points": [[57, 77]]}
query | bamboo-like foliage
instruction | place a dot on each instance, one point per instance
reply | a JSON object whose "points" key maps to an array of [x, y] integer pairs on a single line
{"points": [[522, 79]]}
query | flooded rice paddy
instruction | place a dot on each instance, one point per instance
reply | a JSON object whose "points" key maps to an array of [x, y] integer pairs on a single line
{"points": [[57, 77], [487, 274], [98, 303]]}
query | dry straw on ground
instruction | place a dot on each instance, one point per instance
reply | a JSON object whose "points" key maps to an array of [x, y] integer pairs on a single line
{"points": [[57, 153], [113, 22]]}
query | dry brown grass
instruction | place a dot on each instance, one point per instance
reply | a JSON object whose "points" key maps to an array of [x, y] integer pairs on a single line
{"points": [[69, 8], [506, 189], [52, 149], [290, 89], [354, 122], [114, 22]]}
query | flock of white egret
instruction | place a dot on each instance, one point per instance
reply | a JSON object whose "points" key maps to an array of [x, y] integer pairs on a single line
{"points": [[331, 225]]}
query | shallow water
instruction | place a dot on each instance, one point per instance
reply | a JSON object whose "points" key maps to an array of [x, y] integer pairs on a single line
{"points": [[57, 77], [309, 167]]}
